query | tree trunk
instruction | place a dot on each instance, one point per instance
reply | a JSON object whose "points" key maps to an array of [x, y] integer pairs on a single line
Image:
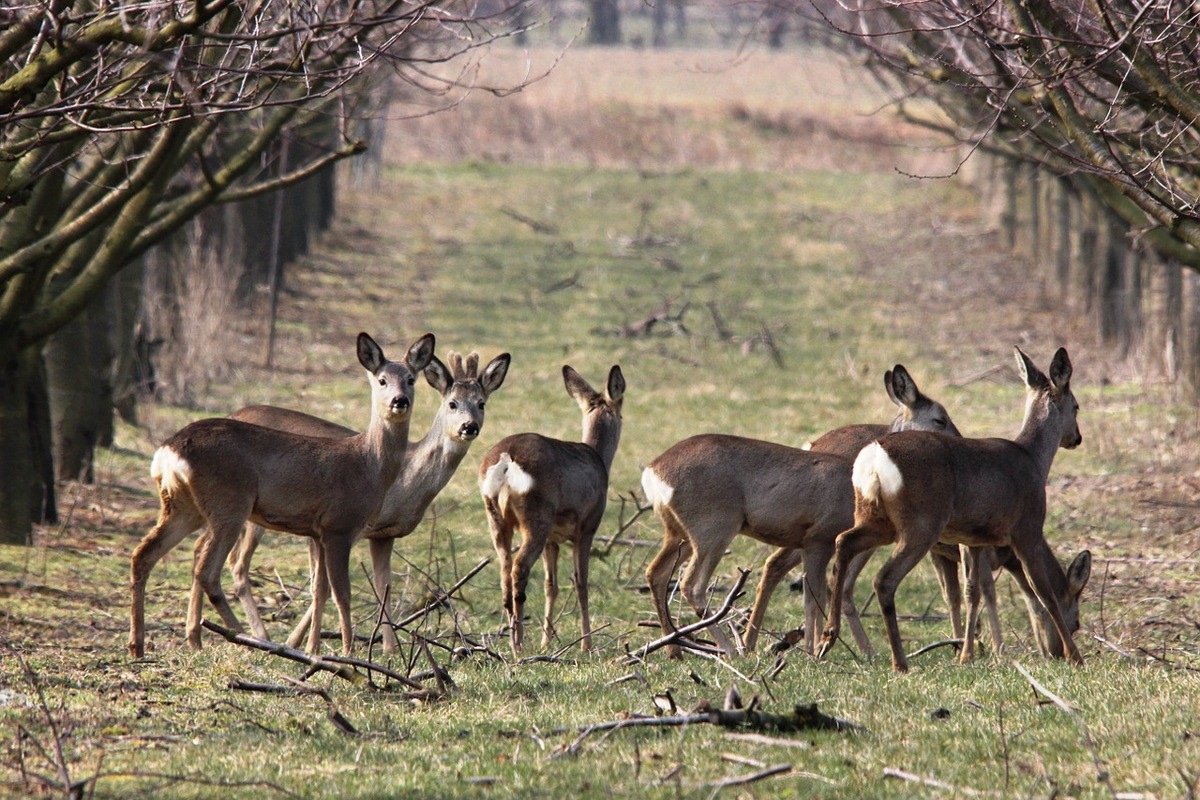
{"points": [[605, 27], [72, 401], [26, 477], [127, 291]]}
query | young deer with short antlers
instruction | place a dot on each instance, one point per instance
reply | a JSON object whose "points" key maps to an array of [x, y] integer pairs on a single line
{"points": [[220, 473], [428, 466], [709, 488], [555, 492], [916, 488]]}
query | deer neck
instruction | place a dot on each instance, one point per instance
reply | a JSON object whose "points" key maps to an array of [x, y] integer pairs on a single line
{"points": [[436, 452], [1040, 432], [603, 434], [387, 443]]}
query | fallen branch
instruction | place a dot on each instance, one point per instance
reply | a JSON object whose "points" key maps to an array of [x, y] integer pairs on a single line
{"points": [[535, 225], [956, 643], [742, 780], [677, 636], [283, 651], [442, 597], [892, 772], [802, 718], [1101, 773]]}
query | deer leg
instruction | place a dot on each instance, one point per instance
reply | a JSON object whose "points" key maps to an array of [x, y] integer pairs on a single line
{"points": [[381, 566], [319, 583], [1038, 572], [973, 565], [947, 570], [849, 545], [675, 550], [550, 561], [209, 560], [337, 570], [502, 542], [816, 588], [907, 555], [534, 533], [777, 566], [850, 609], [172, 528], [987, 583], [316, 582], [583, 553], [695, 580], [239, 562]]}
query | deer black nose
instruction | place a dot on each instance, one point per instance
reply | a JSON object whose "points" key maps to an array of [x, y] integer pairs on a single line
{"points": [[400, 404], [469, 430]]}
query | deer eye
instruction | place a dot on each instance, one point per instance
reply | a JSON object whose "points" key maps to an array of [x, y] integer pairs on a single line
{"points": [[481, 405], [453, 405], [411, 380], [941, 423], [382, 381]]}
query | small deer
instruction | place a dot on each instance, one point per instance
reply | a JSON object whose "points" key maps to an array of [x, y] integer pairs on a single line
{"points": [[220, 473], [428, 466], [709, 488], [555, 492], [916, 488]]}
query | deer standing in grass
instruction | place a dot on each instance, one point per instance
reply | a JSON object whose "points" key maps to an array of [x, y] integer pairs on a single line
{"points": [[709, 488], [220, 473], [916, 488], [428, 466], [555, 492]]}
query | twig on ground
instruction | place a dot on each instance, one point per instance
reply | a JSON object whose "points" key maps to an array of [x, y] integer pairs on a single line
{"points": [[442, 597], [892, 772], [677, 636], [626, 524], [742, 780], [1101, 773], [283, 651], [935, 645], [535, 225], [802, 718]]}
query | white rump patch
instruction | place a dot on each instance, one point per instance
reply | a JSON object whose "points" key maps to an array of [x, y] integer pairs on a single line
{"points": [[519, 480], [658, 492], [876, 476], [806, 446], [170, 470], [505, 472], [493, 479]]}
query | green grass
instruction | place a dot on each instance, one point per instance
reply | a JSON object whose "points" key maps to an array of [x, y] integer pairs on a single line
{"points": [[849, 275]]}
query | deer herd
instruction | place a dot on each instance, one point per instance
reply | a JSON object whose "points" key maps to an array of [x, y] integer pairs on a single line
{"points": [[974, 506]]}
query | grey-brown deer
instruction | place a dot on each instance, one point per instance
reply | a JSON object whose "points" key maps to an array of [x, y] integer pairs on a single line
{"points": [[916, 488], [555, 492], [220, 473], [428, 466], [709, 488]]}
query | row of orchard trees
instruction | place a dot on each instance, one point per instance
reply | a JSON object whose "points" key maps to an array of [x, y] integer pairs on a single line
{"points": [[127, 133], [1095, 106]]}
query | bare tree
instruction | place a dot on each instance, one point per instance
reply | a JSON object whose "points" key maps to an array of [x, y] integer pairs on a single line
{"points": [[1105, 91], [121, 122]]}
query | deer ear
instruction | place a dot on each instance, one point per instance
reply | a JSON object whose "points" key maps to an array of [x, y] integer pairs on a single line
{"points": [[577, 387], [901, 387], [616, 385], [1078, 572], [420, 353], [370, 354], [1030, 374], [495, 372], [438, 375], [1060, 369]]}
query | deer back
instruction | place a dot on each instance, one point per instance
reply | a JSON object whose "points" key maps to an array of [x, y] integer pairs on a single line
{"points": [[769, 491]]}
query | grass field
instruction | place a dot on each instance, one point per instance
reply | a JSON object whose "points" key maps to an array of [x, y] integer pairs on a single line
{"points": [[542, 228]]}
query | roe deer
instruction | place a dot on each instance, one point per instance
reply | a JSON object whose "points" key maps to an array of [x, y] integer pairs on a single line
{"points": [[428, 466], [709, 488], [914, 488], [223, 472], [555, 492]]}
